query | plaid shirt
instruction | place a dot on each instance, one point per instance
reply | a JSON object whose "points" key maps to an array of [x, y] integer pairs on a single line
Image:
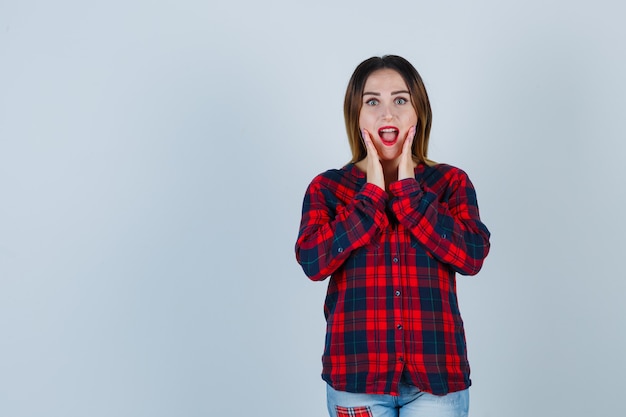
{"points": [[391, 306]]}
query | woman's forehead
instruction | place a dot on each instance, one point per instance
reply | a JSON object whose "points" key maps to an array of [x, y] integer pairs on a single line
{"points": [[384, 79]]}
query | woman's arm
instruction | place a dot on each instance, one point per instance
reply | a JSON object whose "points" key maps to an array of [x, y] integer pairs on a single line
{"points": [[330, 230], [450, 230]]}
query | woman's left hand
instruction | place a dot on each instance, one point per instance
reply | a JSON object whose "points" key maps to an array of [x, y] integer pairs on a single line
{"points": [[406, 167]]}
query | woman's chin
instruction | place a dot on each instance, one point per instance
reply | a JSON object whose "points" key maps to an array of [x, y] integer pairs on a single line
{"points": [[389, 156]]}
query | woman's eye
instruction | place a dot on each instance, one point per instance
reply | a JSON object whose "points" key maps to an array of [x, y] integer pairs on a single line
{"points": [[400, 100], [371, 102]]}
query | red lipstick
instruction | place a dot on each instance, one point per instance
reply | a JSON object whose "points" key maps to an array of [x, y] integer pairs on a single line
{"points": [[388, 135]]}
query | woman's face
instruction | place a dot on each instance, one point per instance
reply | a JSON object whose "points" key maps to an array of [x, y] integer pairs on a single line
{"points": [[386, 112]]}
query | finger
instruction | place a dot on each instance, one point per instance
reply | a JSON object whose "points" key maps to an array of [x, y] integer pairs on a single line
{"points": [[408, 142], [366, 137], [369, 144]]}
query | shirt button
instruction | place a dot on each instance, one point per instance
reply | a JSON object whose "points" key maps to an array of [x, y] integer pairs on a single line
{"points": [[340, 250], [444, 236], [399, 327], [395, 260], [397, 293], [401, 359]]}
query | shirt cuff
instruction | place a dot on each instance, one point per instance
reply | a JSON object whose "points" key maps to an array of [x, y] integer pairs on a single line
{"points": [[375, 194], [405, 187]]}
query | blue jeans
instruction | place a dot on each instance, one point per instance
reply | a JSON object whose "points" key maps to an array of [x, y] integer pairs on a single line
{"points": [[410, 403]]}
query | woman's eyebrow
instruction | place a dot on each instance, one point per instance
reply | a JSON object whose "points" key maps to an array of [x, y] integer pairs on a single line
{"points": [[393, 93]]}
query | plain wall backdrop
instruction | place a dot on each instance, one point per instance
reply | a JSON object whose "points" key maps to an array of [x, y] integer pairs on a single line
{"points": [[153, 160]]}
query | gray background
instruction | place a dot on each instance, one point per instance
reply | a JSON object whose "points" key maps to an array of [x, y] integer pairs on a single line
{"points": [[153, 160]]}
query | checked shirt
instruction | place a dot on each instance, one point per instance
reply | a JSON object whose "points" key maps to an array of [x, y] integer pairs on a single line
{"points": [[391, 307]]}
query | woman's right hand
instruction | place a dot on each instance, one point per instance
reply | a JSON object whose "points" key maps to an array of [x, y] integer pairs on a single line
{"points": [[374, 168]]}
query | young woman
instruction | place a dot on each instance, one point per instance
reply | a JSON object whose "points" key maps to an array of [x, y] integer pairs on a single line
{"points": [[391, 229]]}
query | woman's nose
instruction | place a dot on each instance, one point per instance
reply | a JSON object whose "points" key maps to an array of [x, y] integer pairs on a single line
{"points": [[387, 113]]}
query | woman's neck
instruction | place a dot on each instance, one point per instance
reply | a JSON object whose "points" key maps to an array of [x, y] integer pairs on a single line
{"points": [[390, 169]]}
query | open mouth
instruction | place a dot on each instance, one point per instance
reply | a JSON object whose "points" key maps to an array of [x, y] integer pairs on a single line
{"points": [[388, 135]]}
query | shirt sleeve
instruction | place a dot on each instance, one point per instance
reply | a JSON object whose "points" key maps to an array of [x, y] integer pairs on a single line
{"points": [[449, 229], [331, 230]]}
